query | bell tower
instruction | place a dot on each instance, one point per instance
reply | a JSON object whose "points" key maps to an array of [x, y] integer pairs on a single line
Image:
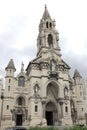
{"points": [[48, 37]]}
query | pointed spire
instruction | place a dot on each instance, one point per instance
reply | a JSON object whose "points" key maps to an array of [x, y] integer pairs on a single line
{"points": [[76, 74], [10, 65], [46, 14]]}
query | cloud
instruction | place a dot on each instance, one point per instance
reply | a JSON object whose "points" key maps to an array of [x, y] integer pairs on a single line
{"points": [[19, 22]]}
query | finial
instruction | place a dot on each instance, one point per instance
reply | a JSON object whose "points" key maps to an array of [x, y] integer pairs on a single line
{"points": [[45, 6], [22, 66]]}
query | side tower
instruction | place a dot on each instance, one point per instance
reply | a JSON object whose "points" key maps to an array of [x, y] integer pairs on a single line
{"points": [[10, 70], [48, 77], [8, 99], [79, 101]]}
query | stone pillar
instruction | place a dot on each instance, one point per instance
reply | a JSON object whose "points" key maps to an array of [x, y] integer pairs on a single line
{"points": [[61, 105], [61, 118], [43, 105], [13, 111], [58, 110], [44, 122]]}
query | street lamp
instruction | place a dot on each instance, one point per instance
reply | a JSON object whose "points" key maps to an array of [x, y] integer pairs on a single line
{"points": [[2, 97]]}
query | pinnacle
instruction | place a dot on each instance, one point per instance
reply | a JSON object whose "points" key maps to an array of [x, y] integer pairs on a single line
{"points": [[76, 74], [10, 65], [46, 14]]}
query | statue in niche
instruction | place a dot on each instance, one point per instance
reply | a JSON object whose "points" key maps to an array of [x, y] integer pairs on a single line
{"points": [[52, 65], [22, 66], [36, 89], [65, 91]]}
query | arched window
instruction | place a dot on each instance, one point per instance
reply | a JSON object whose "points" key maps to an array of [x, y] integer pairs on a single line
{"points": [[9, 80], [47, 24], [50, 25], [8, 88], [50, 39], [21, 81], [21, 101], [36, 108], [66, 109], [7, 107]]}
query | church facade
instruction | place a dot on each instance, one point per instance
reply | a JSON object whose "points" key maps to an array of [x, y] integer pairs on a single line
{"points": [[44, 94]]}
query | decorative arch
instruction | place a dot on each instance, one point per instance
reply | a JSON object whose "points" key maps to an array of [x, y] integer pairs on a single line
{"points": [[53, 87], [52, 90], [65, 91], [21, 81], [36, 88], [57, 84], [20, 101]]}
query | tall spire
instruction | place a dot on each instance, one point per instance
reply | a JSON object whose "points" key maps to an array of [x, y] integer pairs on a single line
{"points": [[48, 36], [10, 65], [46, 14]]}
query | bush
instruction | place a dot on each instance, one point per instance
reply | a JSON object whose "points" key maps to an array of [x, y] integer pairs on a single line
{"points": [[43, 128], [55, 128]]}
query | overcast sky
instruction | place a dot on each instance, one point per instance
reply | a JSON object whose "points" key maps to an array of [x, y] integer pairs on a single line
{"points": [[19, 21]]}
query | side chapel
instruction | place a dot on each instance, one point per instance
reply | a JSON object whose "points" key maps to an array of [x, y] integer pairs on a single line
{"points": [[44, 94]]}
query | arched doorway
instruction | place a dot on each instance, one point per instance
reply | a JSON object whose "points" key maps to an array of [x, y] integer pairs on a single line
{"points": [[20, 112], [19, 117], [51, 113]]}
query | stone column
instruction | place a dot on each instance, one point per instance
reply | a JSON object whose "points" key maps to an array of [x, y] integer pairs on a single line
{"points": [[44, 122], [58, 110], [43, 105], [61, 105]]}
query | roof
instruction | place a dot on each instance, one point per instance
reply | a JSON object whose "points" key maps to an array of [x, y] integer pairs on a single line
{"points": [[76, 74], [46, 14], [10, 65]]}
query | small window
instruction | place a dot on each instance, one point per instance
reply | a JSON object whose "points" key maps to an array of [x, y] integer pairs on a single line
{"points": [[9, 80], [50, 25], [80, 93], [21, 81], [66, 109], [36, 108], [7, 107], [8, 88], [50, 39], [47, 24], [82, 109]]}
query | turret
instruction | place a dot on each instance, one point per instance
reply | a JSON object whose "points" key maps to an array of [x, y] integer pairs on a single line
{"points": [[77, 77], [10, 69], [79, 97], [78, 85]]}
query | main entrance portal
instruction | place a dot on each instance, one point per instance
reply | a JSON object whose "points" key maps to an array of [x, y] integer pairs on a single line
{"points": [[49, 117], [19, 120]]}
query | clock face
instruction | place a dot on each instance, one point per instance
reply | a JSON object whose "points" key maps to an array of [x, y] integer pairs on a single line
{"points": [[50, 39]]}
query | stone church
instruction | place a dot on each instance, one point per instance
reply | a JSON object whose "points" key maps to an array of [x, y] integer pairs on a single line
{"points": [[44, 94]]}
